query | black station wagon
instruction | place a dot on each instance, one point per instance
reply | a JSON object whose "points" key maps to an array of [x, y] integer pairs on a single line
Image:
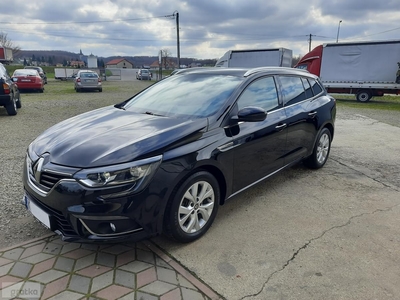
{"points": [[164, 160]]}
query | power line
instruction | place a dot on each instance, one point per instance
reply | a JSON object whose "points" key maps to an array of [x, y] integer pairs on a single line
{"points": [[82, 22]]}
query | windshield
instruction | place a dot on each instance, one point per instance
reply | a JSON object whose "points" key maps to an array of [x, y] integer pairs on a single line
{"points": [[189, 96]]}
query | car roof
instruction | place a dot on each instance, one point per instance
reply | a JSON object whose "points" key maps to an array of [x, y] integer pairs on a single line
{"points": [[32, 67], [245, 72], [26, 71]]}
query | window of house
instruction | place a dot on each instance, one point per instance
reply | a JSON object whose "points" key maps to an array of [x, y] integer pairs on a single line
{"points": [[260, 93]]}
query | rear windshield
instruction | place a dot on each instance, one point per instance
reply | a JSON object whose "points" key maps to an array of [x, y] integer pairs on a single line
{"points": [[89, 75]]}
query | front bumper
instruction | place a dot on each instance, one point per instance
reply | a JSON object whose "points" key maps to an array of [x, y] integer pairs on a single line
{"points": [[78, 213]]}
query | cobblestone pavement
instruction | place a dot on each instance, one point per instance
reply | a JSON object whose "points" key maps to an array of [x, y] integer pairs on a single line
{"points": [[48, 268]]}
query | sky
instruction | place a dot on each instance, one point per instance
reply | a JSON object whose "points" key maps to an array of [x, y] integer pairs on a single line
{"points": [[207, 28]]}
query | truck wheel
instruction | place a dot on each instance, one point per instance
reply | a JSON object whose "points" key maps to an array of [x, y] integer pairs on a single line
{"points": [[363, 96]]}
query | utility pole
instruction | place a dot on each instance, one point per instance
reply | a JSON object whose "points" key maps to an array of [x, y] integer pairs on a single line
{"points": [[178, 52], [309, 41], [177, 40], [338, 29]]}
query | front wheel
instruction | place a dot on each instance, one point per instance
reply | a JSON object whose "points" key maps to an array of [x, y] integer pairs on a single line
{"points": [[321, 150], [192, 207]]}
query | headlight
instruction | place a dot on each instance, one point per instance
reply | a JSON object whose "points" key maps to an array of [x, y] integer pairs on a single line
{"points": [[137, 173]]}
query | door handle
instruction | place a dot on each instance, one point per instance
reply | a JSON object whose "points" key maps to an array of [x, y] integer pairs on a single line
{"points": [[312, 114], [279, 127]]}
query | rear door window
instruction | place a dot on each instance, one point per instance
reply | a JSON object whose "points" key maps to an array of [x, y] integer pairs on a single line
{"points": [[315, 86], [260, 93], [292, 89]]}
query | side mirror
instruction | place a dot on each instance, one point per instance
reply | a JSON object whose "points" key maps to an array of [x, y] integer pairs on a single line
{"points": [[15, 79], [251, 114]]}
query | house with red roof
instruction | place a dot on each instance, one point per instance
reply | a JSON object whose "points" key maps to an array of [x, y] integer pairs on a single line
{"points": [[119, 63]]}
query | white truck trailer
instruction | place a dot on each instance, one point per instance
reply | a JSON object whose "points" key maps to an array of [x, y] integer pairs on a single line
{"points": [[253, 58], [365, 69], [6, 55]]}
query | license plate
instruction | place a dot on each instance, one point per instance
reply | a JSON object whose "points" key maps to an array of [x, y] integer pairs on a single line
{"points": [[90, 80], [25, 80], [37, 212]]}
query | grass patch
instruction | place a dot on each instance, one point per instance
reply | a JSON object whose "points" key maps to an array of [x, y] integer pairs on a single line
{"points": [[383, 103], [113, 91]]}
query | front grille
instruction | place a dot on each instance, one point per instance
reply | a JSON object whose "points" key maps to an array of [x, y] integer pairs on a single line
{"points": [[44, 179], [48, 179]]}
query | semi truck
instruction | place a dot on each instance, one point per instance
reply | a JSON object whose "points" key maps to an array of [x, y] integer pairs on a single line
{"points": [[6, 55], [253, 58], [365, 69]]}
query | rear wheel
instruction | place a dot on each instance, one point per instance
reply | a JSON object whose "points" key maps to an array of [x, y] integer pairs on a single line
{"points": [[100, 90], [18, 102], [11, 108], [192, 207], [321, 150], [363, 96]]}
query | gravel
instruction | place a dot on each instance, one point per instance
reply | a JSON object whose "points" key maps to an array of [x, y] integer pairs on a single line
{"points": [[40, 111]]}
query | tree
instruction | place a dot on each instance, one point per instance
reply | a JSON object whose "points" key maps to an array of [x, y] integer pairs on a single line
{"points": [[165, 54], [25, 62], [7, 43]]}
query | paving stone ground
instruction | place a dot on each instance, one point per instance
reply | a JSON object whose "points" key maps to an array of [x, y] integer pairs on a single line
{"points": [[48, 268]]}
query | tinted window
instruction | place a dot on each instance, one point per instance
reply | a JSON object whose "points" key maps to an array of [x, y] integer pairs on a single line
{"points": [[307, 87], [292, 89], [260, 93], [316, 87], [188, 96], [89, 75]]}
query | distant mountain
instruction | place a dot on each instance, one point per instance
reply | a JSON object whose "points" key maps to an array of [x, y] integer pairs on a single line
{"points": [[59, 56]]}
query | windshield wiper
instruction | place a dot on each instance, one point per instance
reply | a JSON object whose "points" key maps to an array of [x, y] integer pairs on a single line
{"points": [[152, 114]]}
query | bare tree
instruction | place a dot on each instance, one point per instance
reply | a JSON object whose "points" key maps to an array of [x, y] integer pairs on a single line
{"points": [[165, 54], [7, 43]]}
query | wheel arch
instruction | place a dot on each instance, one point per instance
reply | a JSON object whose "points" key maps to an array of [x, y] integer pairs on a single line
{"points": [[330, 128], [213, 170]]}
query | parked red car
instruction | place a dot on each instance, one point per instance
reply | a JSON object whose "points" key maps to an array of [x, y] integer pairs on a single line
{"points": [[28, 79]]}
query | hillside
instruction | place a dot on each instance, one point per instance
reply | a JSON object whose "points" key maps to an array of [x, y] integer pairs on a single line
{"points": [[59, 56]]}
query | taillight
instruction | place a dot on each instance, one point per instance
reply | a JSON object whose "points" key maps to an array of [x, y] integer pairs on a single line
{"points": [[78, 80], [99, 80], [6, 88]]}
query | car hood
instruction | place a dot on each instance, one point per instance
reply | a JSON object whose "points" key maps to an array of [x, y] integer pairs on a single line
{"points": [[110, 136]]}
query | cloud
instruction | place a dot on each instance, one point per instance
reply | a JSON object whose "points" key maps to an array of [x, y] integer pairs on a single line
{"points": [[207, 28]]}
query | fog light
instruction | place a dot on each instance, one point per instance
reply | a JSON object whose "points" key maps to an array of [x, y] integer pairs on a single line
{"points": [[113, 228]]}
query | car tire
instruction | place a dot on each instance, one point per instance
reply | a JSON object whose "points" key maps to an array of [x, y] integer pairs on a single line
{"points": [[18, 103], [189, 216], [321, 150], [41, 90], [77, 90], [11, 108], [100, 90]]}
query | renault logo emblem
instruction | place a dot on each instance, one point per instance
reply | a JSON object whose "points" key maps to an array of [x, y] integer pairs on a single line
{"points": [[37, 169]]}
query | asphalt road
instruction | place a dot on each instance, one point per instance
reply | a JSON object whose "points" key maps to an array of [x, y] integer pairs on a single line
{"points": [[326, 234]]}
